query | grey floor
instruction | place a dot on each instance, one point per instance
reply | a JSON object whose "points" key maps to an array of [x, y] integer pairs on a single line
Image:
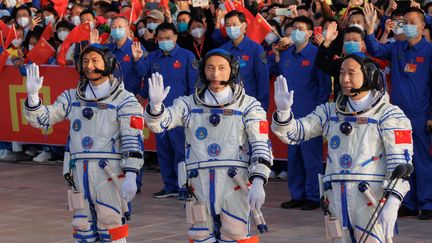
{"points": [[33, 209]]}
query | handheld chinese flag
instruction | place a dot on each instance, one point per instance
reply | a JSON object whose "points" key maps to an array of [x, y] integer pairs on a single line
{"points": [[163, 4], [60, 6], [130, 15], [41, 52], [48, 32], [236, 5], [79, 33], [138, 7], [10, 36], [258, 29], [3, 57]]}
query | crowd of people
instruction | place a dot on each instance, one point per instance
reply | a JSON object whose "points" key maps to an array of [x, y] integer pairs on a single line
{"points": [[306, 46]]}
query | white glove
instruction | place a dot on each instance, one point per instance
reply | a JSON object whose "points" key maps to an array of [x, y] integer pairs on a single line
{"points": [[283, 98], [388, 216], [256, 195], [33, 83], [157, 93], [129, 186]]}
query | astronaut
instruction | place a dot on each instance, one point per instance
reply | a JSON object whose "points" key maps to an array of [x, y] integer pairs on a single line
{"points": [[105, 143], [368, 137], [227, 146]]}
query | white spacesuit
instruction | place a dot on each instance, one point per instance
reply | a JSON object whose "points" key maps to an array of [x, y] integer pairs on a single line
{"points": [[105, 146], [366, 141], [227, 145]]}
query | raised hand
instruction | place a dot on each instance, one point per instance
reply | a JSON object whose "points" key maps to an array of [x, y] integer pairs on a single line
{"points": [[157, 93], [94, 36], [370, 17], [33, 83], [283, 98], [331, 35], [137, 52]]}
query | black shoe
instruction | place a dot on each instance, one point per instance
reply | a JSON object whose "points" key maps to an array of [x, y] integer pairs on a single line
{"points": [[183, 194], [310, 205], [165, 194], [292, 204], [405, 211], [425, 214]]}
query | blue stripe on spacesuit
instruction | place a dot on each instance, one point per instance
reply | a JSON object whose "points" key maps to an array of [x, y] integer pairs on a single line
{"points": [[133, 102], [92, 104], [329, 159], [251, 120], [79, 216], [206, 239], [233, 216], [345, 215], [108, 206], [351, 119], [217, 111], [212, 193], [87, 191], [371, 160], [370, 233], [131, 114]]}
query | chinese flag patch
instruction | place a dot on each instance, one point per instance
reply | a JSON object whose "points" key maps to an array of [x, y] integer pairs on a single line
{"points": [[137, 122], [402, 136], [245, 57], [177, 64], [419, 59], [263, 127], [305, 63]]}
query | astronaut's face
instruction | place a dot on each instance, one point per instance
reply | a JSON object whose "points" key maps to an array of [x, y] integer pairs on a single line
{"points": [[217, 69], [91, 62], [351, 77]]}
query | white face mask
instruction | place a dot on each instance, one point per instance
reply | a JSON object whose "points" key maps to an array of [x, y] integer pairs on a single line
{"points": [[271, 38], [197, 32], [23, 21], [62, 35], [141, 32], [76, 20], [277, 19], [16, 42]]}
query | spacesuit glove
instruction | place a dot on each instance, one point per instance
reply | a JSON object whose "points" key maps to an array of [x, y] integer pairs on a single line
{"points": [[157, 93], [129, 186], [283, 98], [256, 194], [33, 84], [388, 216]]}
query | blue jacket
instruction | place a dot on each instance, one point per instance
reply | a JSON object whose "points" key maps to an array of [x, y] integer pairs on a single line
{"points": [[179, 69], [311, 86], [253, 68]]}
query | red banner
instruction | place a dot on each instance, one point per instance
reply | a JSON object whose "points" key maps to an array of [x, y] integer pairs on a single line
{"points": [[57, 79]]}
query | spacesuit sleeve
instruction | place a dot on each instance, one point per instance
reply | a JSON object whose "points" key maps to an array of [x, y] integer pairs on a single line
{"points": [[295, 131], [131, 120], [42, 116], [256, 125], [176, 115], [396, 131]]}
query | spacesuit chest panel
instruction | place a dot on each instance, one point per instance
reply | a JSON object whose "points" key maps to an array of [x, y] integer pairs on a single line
{"points": [[361, 150], [215, 134], [94, 127]]}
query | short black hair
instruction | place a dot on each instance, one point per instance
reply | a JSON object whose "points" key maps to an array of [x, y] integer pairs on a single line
{"points": [[416, 10], [87, 11], [15, 10], [355, 29], [302, 7], [103, 5], [197, 20], [166, 26], [235, 13], [184, 12], [50, 9], [275, 24], [305, 20], [64, 24], [120, 17]]}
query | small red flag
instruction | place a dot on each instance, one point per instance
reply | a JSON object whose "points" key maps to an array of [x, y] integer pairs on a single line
{"points": [[258, 29], [3, 58], [137, 122], [236, 5], [138, 7], [130, 15], [79, 33], [48, 32], [10, 36], [163, 4], [41, 52], [263, 127], [60, 6], [402, 136]]}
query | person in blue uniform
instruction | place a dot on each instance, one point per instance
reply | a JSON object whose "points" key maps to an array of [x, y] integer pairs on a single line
{"points": [[251, 57], [179, 69], [411, 77], [313, 87]]}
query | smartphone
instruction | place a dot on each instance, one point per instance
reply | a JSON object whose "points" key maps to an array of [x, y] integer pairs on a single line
{"points": [[283, 12], [317, 30]]}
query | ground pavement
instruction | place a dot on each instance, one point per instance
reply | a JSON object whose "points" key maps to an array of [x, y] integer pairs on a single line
{"points": [[33, 209]]}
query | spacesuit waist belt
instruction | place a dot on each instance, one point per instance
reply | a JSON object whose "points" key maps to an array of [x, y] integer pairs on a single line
{"points": [[96, 156], [351, 177], [217, 163]]}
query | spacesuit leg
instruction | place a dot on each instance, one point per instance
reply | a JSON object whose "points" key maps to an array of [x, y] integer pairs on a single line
{"points": [[165, 155], [177, 139], [296, 173], [311, 152]]}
